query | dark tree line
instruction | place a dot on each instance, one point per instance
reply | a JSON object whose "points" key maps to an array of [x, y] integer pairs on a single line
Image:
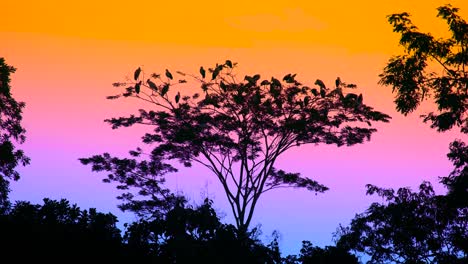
{"points": [[58, 231]]}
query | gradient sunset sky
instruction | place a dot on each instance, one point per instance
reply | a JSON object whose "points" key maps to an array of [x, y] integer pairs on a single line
{"points": [[69, 53]]}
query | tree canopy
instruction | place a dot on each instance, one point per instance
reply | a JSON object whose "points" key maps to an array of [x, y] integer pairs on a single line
{"points": [[409, 227], [328, 255], [422, 227], [11, 132], [194, 234], [58, 231], [412, 79], [415, 76], [235, 127]]}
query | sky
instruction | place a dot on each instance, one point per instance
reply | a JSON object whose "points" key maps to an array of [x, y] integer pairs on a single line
{"points": [[68, 53]]}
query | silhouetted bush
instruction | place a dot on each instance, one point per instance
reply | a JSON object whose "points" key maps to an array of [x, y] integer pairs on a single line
{"points": [[410, 227], [316, 255], [58, 231], [195, 235]]}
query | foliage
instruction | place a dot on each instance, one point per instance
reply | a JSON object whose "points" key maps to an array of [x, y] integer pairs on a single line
{"points": [[236, 128], [10, 131], [195, 235], [457, 181], [146, 176], [58, 231], [411, 76], [409, 227], [316, 255], [411, 79]]}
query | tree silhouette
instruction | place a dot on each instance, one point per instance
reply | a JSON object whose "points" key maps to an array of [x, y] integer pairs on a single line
{"points": [[236, 128], [316, 255], [187, 234], [11, 131], [422, 227], [414, 227], [413, 79], [58, 231], [409, 227], [457, 181]]}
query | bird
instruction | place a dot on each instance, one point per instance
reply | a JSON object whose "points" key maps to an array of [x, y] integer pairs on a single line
{"points": [[338, 82], [168, 74], [202, 72]]}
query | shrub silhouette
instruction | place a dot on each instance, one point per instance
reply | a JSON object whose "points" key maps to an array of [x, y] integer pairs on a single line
{"points": [[57, 231]]}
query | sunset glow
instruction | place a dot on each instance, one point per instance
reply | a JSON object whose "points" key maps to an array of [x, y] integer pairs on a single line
{"points": [[69, 53]]}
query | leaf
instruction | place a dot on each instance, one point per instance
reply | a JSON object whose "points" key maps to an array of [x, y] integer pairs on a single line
{"points": [[112, 97], [265, 82], [229, 63], [177, 97], [137, 73], [202, 72], [165, 89], [168, 74], [117, 84]]}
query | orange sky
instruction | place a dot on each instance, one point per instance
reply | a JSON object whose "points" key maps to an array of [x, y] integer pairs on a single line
{"points": [[102, 42], [358, 26]]}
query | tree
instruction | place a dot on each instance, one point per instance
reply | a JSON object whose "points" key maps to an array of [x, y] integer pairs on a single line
{"points": [[411, 79], [188, 234], [422, 227], [411, 76], [409, 227], [58, 231], [457, 181], [316, 255], [235, 128], [10, 131]]}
